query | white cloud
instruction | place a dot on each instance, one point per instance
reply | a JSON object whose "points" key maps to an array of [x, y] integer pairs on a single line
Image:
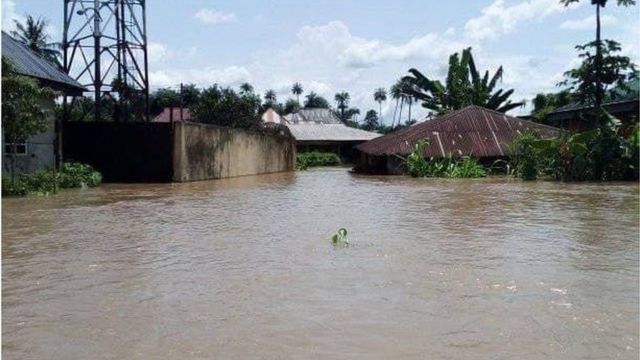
{"points": [[499, 19], [212, 16], [228, 76], [9, 15], [588, 22], [157, 52]]}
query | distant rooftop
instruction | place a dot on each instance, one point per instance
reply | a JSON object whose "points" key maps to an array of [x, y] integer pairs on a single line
{"points": [[313, 115], [329, 132], [31, 64], [165, 116], [271, 116]]}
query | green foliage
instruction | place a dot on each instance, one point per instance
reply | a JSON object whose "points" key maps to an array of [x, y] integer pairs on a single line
{"points": [[370, 120], [225, 107], [543, 104], [314, 100], [464, 167], [315, 158], [75, 175], [524, 155], [291, 106], [598, 154], [44, 182], [22, 112], [463, 86], [594, 77], [340, 237]]}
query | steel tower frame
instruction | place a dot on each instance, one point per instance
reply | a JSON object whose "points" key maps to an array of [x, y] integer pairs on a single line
{"points": [[105, 44]]}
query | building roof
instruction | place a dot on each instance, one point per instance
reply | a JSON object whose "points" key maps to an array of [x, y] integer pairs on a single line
{"points": [[313, 115], [165, 115], [329, 132], [474, 131], [31, 64], [271, 116], [615, 108]]}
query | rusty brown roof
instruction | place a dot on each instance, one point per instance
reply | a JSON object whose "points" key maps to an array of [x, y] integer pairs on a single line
{"points": [[473, 131], [165, 115]]}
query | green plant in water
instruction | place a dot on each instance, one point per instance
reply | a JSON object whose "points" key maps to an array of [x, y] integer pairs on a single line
{"points": [[45, 182], [315, 158], [340, 237], [419, 166]]}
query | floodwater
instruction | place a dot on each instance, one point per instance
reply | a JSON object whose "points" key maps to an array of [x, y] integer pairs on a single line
{"points": [[244, 269]]}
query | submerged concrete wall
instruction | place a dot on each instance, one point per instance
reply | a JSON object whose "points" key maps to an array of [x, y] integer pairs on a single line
{"points": [[204, 151]]}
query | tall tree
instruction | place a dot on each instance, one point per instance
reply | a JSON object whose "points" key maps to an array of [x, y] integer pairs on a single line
{"points": [[291, 106], [342, 103], [296, 90], [315, 101], [33, 34], [380, 95], [371, 120], [598, 73], [22, 112], [246, 88], [597, 59], [270, 96], [463, 87]]}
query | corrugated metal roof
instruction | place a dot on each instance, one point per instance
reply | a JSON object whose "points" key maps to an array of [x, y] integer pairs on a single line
{"points": [[313, 115], [474, 131], [329, 132], [165, 115], [31, 64]]}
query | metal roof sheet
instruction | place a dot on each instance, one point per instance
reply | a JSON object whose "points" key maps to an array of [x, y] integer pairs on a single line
{"points": [[329, 132], [313, 115], [31, 64], [474, 131]]}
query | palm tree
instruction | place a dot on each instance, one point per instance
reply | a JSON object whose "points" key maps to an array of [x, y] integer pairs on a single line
{"points": [[398, 95], [342, 102], [464, 87], [246, 88], [379, 96], [270, 96], [33, 35], [296, 89], [597, 63]]}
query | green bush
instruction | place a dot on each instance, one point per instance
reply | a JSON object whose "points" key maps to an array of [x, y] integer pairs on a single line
{"points": [[598, 154], [44, 182], [525, 157], [78, 175], [465, 167], [315, 158]]}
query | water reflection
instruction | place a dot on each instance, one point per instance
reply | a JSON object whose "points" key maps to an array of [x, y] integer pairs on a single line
{"points": [[243, 268]]}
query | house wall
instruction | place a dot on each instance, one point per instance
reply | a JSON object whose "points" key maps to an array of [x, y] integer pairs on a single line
{"points": [[210, 152], [40, 150]]}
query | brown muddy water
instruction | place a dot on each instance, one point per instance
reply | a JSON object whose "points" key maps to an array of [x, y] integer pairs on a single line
{"points": [[244, 269]]}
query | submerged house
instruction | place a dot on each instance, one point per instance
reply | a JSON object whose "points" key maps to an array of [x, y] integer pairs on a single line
{"points": [[321, 130], [572, 117], [39, 151], [473, 131]]}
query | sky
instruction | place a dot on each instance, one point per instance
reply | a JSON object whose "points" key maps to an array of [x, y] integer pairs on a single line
{"points": [[331, 46]]}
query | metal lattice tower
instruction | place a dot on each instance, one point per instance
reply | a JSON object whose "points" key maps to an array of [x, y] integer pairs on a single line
{"points": [[105, 48]]}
